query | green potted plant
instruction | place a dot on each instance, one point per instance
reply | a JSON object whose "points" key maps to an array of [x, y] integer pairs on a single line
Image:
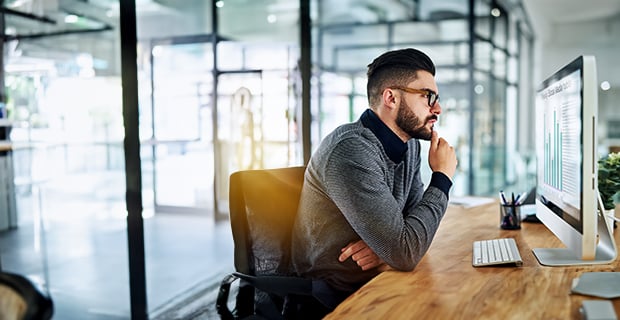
{"points": [[609, 179]]}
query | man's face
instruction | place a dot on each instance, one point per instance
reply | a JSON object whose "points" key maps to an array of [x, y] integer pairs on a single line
{"points": [[415, 117], [414, 126]]}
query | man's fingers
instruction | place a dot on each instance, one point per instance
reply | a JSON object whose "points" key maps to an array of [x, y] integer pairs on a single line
{"points": [[361, 254], [365, 252], [434, 139], [354, 246], [346, 253], [368, 262], [351, 249]]}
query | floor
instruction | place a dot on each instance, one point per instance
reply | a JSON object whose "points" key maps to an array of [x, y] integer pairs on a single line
{"points": [[74, 246]]}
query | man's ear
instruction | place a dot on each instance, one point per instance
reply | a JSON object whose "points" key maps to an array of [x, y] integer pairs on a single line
{"points": [[390, 99]]}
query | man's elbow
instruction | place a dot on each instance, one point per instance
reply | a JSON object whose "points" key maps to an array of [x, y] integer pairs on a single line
{"points": [[405, 266]]}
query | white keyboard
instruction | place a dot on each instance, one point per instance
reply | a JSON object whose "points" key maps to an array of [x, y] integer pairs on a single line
{"points": [[496, 251]]}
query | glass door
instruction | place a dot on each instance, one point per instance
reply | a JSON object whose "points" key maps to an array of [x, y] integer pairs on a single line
{"points": [[240, 127], [187, 163], [181, 137]]}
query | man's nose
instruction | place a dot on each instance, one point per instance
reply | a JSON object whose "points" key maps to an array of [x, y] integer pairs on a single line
{"points": [[436, 109]]}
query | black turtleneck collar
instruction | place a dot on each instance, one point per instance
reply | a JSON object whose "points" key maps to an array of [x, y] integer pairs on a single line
{"points": [[393, 146]]}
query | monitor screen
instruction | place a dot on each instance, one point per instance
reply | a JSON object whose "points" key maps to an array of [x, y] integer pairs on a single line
{"points": [[559, 103], [566, 155]]}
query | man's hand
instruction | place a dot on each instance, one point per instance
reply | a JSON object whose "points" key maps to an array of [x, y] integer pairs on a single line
{"points": [[441, 156], [364, 257]]}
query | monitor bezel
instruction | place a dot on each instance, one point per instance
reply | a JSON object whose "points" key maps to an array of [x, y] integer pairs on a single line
{"points": [[578, 236]]}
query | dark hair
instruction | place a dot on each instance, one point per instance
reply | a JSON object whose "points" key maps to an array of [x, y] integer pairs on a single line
{"points": [[395, 68]]}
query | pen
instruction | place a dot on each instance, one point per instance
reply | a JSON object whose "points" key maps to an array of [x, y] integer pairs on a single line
{"points": [[502, 197], [521, 197]]}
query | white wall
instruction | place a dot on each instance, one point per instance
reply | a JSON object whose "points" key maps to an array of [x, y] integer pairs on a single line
{"points": [[559, 40], [566, 41]]}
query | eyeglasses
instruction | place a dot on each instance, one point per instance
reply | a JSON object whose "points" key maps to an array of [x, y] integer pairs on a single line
{"points": [[428, 93]]}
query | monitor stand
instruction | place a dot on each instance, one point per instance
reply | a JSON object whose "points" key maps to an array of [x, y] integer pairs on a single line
{"points": [[605, 249]]}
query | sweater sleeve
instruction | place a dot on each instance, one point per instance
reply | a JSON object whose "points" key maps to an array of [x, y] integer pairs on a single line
{"points": [[391, 213]]}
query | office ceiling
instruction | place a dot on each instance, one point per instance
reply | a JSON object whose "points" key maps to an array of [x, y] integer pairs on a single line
{"points": [[50, 32], [550, 17], [50, 15], [568, 11]]}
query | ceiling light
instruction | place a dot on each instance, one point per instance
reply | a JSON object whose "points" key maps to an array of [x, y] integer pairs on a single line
{"points": [[219, 4], [495, 12], [479, 89], [71, 18], [272, 18], [605, 85]]}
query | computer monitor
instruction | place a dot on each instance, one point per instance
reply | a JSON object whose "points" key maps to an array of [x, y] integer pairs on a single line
{"points": [[567, 200]]}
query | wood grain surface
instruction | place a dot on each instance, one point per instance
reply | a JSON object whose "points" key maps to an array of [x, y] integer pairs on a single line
{"points": [[445, 285]]}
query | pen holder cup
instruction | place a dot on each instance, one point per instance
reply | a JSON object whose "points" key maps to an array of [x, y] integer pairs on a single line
{"points": [[510, 216]]}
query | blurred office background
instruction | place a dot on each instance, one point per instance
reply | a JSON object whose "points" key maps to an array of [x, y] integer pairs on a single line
{"points": [[220, 89]]}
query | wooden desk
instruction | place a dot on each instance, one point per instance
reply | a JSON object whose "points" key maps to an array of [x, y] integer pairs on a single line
{"points": [[444, 285]]}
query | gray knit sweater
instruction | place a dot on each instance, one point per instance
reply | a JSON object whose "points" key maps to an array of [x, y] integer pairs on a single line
{"points": [[353, 190]]}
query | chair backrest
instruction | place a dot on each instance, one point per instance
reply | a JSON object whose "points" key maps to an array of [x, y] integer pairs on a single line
{"points": [[263, 206], [21, 299]]}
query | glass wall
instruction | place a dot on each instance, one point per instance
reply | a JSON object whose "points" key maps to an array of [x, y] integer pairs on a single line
{"points": [[64, 103], [502, 42], [215, 99], [219, 87]]}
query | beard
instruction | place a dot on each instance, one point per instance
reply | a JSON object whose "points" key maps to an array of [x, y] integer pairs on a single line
{"points": [[411, 124]]}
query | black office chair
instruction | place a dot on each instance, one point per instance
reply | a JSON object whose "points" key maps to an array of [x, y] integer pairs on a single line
{"points": [[24, 300], [263, 206]]}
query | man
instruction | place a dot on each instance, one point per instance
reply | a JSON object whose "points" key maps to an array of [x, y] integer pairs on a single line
{"points": [[363, 207]]}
